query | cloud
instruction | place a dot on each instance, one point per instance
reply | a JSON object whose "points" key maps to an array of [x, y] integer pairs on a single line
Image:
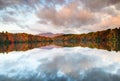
{"points": [[62, 16], [115, 21], [7, 3], [81, 14], [30, 3], [54, 2], [111, 22], [97, 5], [111, 10], [108, 23], [7, 19], [70, 16]]}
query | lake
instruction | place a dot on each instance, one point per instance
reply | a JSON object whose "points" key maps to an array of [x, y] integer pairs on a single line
{"points": [[55, 63]]}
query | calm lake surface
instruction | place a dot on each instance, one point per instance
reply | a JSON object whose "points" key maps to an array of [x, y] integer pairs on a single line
{"points": [[60, 64]]}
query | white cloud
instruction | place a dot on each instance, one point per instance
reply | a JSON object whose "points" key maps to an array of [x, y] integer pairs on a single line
{"points": [[58, 16]]}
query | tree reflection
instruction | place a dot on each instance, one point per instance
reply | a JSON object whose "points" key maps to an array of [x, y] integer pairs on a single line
{"points": [[5, 48], [110, 46], [107, 39]]}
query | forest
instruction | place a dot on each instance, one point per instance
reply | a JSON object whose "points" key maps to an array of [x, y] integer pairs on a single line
{"points": [[7, 38], [107, 39], [112, 35]]}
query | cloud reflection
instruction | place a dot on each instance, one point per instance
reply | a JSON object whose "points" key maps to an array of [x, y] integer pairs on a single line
{"points": [[60, 64]]}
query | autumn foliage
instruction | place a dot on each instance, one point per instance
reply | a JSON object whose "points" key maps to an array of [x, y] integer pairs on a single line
{"points": [[107, 39], [6, 38]]}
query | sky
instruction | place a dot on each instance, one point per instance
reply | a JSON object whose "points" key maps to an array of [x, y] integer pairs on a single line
{"points": [[59, 16]]}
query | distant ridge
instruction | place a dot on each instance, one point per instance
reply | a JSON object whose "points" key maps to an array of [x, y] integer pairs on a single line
{"points": [[49, 34]]}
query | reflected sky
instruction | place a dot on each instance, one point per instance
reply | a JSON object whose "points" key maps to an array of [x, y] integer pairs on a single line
{"points": [[60, 64]]}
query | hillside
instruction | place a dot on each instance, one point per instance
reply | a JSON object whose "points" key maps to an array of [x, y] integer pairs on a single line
{"points": [[51, 35], [107, 39]]}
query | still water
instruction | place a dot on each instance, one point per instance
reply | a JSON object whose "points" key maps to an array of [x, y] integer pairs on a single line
{"points": [[60, 64]]}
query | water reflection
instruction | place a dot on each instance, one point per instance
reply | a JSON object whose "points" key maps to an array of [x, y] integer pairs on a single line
{"points": [[60, 64], [21, 46], [110, 46]]}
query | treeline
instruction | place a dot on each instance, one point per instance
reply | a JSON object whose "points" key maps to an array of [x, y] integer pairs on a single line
{"points": [[110, 35], [107, 39], [6, 38], [100, 36]]}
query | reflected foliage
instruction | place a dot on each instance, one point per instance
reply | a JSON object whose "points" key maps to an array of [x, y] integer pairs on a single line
{"points": [[21, 46], [107, 39]]}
